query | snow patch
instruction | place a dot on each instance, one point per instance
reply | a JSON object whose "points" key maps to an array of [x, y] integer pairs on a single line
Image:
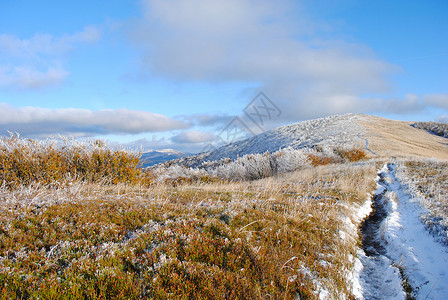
{"points": [[405, 245], [409, 244]]}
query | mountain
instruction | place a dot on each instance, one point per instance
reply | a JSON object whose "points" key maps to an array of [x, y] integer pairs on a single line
{"points": [[323, 131], [157, 157], [378, 136]]}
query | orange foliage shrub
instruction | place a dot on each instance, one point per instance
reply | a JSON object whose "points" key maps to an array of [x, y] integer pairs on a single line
{"points": [[317, 160], [23, 161], [354, 154]]}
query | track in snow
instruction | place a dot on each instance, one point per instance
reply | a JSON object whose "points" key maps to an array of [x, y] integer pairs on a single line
{"points": [[393, 235], [366, 146], [379, 279]]}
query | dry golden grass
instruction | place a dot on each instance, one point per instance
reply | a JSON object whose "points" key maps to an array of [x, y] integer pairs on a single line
{"points": [[397, 138], [82, 222]]}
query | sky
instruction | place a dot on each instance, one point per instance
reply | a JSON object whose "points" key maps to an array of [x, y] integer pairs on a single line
{"points": [[157, 74]]}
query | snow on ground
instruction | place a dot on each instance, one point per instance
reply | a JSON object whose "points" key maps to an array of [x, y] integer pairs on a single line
{"points": [[425, 261], [329, 131], [374, 276], [333, 130], [401, 241]]}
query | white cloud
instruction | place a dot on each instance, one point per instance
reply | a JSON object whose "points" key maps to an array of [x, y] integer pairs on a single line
{"points": [[46, 44], [37, 62], [90, 34], [193, 137], [207, 119], [35, 121], [28, 78], [259, 41], [437, 100]]}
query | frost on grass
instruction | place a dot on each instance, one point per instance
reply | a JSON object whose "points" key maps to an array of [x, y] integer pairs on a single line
{"points": [[427, 181], [257, 166], [278, 237], [83, 233], [422, 261], [402, 260]]}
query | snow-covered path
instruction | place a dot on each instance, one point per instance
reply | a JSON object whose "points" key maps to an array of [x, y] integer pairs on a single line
{"points": [[366, 146], [395, 238]]}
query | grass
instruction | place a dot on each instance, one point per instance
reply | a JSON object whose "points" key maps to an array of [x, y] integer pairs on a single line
{"points": [[278, 237], [427, 180]]}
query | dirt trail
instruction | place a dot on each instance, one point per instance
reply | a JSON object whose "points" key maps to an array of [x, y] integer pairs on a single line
{"points": [[397, 249], [379, 279], [366, 146]]}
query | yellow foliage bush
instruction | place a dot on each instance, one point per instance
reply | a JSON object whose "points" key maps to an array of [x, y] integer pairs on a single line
{"points": [[354, 154], [24, 161]]}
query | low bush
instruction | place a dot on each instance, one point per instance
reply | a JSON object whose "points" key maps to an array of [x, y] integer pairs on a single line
{"points": [[282, 238], [259, 165], [440, 129], [24, 161], [351, 155]]}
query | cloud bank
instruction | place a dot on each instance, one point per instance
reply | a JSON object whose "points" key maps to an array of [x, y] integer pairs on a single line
{"points": [[42, 122], [261, 41]]}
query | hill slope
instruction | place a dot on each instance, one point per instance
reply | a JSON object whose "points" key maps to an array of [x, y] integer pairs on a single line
{"points": [[323, 131], [398, 138], [379, 136]]}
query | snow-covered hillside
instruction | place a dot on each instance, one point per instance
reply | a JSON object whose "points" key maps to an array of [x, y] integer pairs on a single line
{"points": [[330, 131], [333, 130]]}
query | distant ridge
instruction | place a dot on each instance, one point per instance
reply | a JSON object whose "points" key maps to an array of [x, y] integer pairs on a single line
{"points": [[156, 157]]}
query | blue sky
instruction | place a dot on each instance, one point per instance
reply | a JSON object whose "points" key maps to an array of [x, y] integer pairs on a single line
{"points": [[173, 73]]}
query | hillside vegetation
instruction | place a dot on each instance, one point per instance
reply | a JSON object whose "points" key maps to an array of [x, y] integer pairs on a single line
{"points": [[25, 161], [257, 166], [440, 129], [427, 180], [83, 222], [398, 138], [332, 132]]}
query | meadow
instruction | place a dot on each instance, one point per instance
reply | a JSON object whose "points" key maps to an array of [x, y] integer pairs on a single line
{"points": [[83, 221]]}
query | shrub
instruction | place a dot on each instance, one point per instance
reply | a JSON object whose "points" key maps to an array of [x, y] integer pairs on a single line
{"points": [[318, 160], [351, 155], [176, 174], [440, 129], [257, 166], [289, 159], [24, 161]]}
